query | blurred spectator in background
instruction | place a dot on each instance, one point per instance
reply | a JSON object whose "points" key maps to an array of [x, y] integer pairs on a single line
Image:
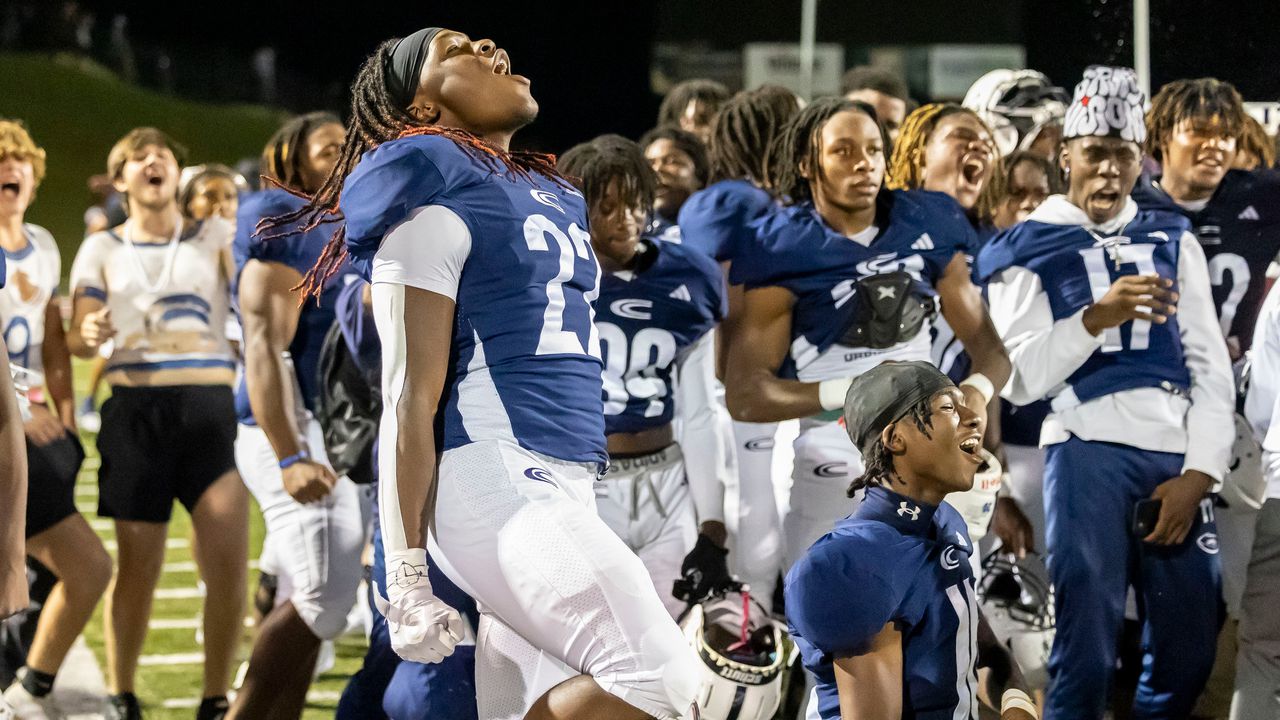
{"points": [[692, 105], [1023, 109], [210, 189], [1255, 148], [882, 90], [679, 160], [1029, 179]]}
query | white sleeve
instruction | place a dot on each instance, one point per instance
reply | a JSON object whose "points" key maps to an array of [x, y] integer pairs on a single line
{"points": [[426, 251], [388, 317], [1210, 419], [702, 429], [1262, 404], [87, 271], [1043, 352]]}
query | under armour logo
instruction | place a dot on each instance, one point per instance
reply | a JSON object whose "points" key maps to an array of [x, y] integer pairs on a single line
{"points": [[408, 574], [903, 511], [886, 292]]}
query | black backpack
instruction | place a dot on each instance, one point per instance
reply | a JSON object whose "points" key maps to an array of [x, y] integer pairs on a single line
{"points": [[349, 409]]}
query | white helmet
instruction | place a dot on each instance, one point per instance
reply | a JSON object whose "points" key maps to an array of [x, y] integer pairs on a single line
{"points": [[742, 659], [1244, 486], [1017, 600], [1016, 105]]}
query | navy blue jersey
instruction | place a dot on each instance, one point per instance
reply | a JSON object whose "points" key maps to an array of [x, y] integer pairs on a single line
{"points": [[897, 561], [716, 219], [921, 232], [300, 252], [355, 320], [526, 354], [1076, 268], [661, 228], [647, 320], [1239, 230]]}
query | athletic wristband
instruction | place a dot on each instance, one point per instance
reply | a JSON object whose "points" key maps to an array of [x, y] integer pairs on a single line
{"points": [[294, 459], [1014, 699], [831, 393], [982, 384]]}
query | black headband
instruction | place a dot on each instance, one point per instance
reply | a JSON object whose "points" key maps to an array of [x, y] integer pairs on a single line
{"points": [[404, 65]]}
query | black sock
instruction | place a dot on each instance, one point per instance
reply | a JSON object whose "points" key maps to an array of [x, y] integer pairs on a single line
{"points": [[213, 708], [37, 683]]}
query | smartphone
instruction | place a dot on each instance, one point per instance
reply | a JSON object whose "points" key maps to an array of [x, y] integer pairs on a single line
{"points": [[1146, 513]]}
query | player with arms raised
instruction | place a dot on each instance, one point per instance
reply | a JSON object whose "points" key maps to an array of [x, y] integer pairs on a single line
{"points": [[483, 279]]}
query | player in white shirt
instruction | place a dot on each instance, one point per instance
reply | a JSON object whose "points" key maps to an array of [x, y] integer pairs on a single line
{"points": [[57, 534], [160, 288]]}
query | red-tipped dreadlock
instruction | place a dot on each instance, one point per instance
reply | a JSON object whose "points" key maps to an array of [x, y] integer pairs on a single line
{"points": [[376, 119]]}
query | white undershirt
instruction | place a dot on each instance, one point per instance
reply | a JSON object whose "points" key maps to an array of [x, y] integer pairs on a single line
{"points": [[427, 251], [865, 237]]}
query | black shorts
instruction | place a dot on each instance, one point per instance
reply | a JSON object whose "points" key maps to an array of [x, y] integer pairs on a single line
{"points": [[51, 482], [160, 444]]}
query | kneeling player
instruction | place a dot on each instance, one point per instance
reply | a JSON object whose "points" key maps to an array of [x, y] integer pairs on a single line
{"points": [[883, 608], [658, 303]]}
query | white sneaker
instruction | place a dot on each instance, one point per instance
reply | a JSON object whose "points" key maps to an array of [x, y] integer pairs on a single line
{"points": [[27, 706]]}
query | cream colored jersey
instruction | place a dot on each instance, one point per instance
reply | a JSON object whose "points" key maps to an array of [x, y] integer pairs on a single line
{"points": [[169, 305], [31, 280]]}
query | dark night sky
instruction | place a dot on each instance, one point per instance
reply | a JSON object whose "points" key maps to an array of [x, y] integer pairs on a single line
{"points": [[590, 61]]}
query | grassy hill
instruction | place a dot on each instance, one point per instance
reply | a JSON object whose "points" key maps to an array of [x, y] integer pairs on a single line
{"points": [[76, 110]]}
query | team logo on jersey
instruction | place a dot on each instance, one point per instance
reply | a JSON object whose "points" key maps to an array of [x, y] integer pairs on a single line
{"points": [[541, 475], [548, 199], [632, 308], [1208, 542], [408, 574], [1249, 213], [831, 470], [923, 243], [759, 444], [949, 560], [904, 510]]}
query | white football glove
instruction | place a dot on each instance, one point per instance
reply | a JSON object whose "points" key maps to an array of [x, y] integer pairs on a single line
{"points": [[422, 627]]}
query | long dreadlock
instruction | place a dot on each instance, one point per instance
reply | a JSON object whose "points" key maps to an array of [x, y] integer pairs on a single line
{"points": [[743, 133], [283, 154], [800, 145], [878, 462], [908, 155], [1207, 99], [375, 119]]}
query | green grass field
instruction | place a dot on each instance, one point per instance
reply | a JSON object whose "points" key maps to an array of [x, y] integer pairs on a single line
{"points": [[76, 110], [177, 684]]}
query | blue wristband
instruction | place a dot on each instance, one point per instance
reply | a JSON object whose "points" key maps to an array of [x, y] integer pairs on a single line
{"points": [[294, 459]]}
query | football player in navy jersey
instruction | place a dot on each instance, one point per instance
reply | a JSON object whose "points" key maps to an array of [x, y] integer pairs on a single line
{"points": [[1084, 293], [679, 160], [483, 282], [883, 607], [717, 220], [658, 303], [845, 277], [314, 528], [1192, 129]]}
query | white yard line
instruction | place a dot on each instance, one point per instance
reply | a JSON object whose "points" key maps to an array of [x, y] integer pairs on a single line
{"points": [[196, 658], [170, 544]]}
